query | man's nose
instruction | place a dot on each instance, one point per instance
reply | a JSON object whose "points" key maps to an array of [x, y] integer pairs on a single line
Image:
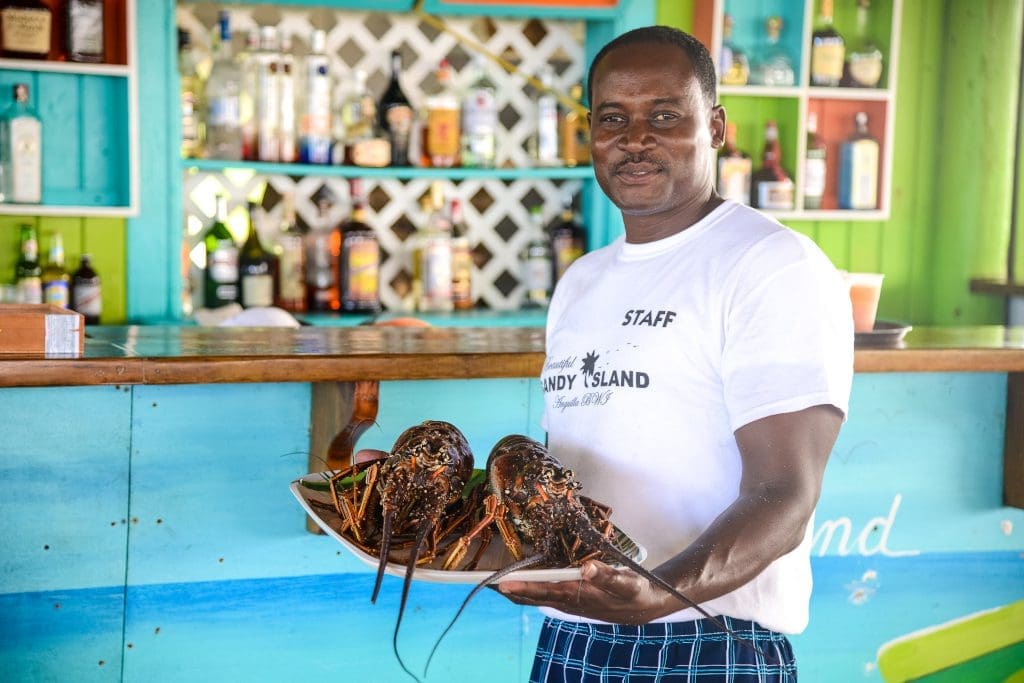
{"points": [[637, 135]]}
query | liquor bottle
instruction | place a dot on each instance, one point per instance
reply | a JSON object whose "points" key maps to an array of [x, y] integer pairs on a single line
{"points": [[858, 168], [56, 281], [190, 87], [735, 168], [479, 119], [247, 63], [773, 66], [442, 140], [291, 260], [223, 89], [86, 291], [432, 267], [536, 263], [287, 133], [396, 114], [544, 140], [864, 58], [84, 40], [575, 133], [462, 260], [771, 186], [25, 29], [733, 64], [28, 274], [315, 123], [267, 98], [828, 49], [220, 278], [257, 269], [323, 247], [21, 143], [814, 165], [365, 145], [568, 241], [359, 264]]}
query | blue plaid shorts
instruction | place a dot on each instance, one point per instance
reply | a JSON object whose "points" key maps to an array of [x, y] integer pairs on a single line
{"points": [[665, 653]]}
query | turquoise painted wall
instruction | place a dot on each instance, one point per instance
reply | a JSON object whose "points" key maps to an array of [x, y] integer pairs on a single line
{"points": [[154, 537]]}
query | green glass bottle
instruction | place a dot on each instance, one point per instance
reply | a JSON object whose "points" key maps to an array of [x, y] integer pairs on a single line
{"points": [[220, 278]]}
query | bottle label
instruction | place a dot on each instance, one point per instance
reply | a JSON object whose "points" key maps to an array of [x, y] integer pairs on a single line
{"points": [[863, 174], [775, 194], [538, 280], [371, 152], [85, 29], [56, 292], [223, 111], [734, 178], [462, 274], [30, 290], [26, 30], [866, 70], [814, 179], [479, 123], [26, 163], [443, 136], [87, 298], [363, 256], [258, 290], [223, 264], [827, 56], [437, 274]]}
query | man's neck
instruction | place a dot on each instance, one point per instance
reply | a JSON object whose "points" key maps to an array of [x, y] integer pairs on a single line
{"points": [[642, 229]]}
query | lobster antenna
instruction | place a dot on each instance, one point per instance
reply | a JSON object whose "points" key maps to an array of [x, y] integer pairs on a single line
{"points": [[499, 574], [413, 558], [385, 550]]}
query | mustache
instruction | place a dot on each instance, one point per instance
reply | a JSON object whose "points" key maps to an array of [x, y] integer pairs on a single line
{"points": [[639, 158]]}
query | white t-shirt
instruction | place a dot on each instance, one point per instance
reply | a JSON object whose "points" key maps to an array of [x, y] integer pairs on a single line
{"points": [[658, 352]]}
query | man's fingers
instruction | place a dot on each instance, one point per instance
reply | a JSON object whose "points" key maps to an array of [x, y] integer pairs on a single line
{"points": [[610, 580]]}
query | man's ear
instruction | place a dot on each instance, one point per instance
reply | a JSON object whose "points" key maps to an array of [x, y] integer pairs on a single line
{"points": [[717, 126]]}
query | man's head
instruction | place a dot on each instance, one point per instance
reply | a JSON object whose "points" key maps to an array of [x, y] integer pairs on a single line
{"points": [[700, 58], [655, 127]]}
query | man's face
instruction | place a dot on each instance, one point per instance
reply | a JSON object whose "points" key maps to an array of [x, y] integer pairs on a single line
{"points": [[652, 130]]}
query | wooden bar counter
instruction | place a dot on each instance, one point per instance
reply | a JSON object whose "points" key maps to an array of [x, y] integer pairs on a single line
{"points": [[192, 355]]}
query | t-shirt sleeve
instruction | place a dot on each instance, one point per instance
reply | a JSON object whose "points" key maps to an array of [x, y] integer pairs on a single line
{"points": [[788, 336]]}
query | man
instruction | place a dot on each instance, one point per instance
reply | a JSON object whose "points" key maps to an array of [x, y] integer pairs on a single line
{"points": [[708, 359]]}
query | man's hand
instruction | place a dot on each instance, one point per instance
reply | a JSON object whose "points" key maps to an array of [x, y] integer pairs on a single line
{"points": [[618, 596]]}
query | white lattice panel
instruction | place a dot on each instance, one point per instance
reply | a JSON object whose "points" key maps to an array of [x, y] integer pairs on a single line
{"points": [[364, 40]]}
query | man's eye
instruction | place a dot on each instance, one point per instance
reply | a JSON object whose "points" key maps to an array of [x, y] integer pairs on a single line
{"points": [[612, 118], [664, 116]]}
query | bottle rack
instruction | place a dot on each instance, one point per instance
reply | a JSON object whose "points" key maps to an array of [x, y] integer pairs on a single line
{"points": [[750, 105], [90, 125]]}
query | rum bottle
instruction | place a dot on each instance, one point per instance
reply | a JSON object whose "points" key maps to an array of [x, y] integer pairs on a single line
{"points": [[56, 280], [858, 168], [21, 142], [315, 122], [220, 277], [28, 274], [323, 247], [864, 60], [544, 141], [442, 139], [815, 170], [257, 268], [735, 168], [537, 263], [190, 88], [84, 41], [479, 119], [25, 29], [462, 260], [828, 49], [359, 265], [771, 186], [568, 242], [267, 97], [223, 93], [396, 114], [86, 291], [291, 260]]}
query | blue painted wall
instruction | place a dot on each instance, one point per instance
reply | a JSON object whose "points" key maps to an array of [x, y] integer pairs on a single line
{"points": [[154, 538]]}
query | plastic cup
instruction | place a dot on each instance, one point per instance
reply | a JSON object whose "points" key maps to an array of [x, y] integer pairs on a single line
{"points": [[865, 290]]}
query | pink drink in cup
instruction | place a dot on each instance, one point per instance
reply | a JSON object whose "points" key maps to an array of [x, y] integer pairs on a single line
{"points": [[865, 290]]}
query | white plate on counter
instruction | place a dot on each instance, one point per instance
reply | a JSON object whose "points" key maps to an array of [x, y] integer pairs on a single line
{"points": [[311, 489]]}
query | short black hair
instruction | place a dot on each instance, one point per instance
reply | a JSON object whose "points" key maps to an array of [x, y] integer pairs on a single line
{"points": [[700, 58]]}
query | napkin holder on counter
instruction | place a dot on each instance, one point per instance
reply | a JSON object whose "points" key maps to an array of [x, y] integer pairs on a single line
{"points": [[41, 329]]}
